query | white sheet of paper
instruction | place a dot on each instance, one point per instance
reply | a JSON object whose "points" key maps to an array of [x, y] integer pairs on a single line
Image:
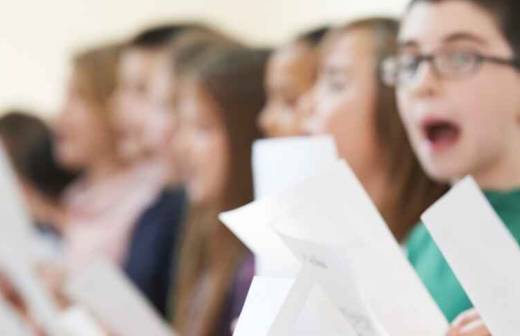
{"points": [[264, 300], [16, 241], [481, 252], [10, 321], [282, 162], [105, 291], [285, 320], [272, 257], [76, 322], [320, 316], [16, 229], [277, 306], [332, 208], [278, 164], [330, 269]]}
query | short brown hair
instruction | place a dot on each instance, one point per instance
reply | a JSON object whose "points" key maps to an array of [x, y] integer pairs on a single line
{"points": [[505, 13]]}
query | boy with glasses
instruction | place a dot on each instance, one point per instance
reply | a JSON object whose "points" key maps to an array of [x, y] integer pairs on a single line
{"points": [[457, 75]]}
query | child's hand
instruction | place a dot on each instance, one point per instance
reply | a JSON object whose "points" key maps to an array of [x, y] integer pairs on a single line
{"points": [[469, 323], [53, 277], [9, 292]]}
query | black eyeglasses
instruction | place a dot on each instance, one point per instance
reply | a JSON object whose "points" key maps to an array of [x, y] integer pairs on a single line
{"points": [[400, 70]]}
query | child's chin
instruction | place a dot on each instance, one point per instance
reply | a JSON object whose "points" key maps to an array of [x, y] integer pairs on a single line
{"points": [[442, 172]]}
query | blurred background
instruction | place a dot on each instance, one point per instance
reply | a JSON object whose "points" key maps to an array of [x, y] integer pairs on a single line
{"points": [[37, 37]]}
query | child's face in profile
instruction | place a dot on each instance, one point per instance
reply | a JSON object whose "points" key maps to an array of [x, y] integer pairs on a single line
{"points": [[203, 144], [159, 121], [290, 73], [469, 123], [83, 133], [343, 100], [136, 73]]}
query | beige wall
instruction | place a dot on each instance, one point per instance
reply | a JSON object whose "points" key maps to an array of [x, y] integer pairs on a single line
{"points": [[37, 36]]}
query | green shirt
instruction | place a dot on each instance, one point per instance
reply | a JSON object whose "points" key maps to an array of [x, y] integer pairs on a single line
{"points": [[433, 268]]}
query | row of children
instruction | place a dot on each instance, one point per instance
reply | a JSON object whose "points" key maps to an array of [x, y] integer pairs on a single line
{"points": [[157, 134]]}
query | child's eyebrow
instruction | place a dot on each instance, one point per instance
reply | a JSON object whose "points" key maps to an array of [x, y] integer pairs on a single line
{"points": [[454, 37], [465, 36], [407, 44]]}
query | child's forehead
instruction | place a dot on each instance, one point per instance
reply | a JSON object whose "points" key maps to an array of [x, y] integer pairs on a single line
{"points": [[430, 25]]}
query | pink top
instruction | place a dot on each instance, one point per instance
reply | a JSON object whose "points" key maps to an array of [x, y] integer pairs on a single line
{"points": [[101, 217]]}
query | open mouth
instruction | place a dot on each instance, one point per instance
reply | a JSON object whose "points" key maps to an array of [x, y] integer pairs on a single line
{"points": [[441, 133]]}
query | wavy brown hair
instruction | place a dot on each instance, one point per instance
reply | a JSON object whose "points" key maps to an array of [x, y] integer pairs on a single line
{"points": [[411, 190]]}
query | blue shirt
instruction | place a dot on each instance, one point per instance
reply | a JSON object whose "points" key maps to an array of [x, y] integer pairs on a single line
{"points": [[149, 260]]}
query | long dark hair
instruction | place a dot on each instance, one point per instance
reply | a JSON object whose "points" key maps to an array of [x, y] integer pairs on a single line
{"points": [[233, 78], [29, 143]]}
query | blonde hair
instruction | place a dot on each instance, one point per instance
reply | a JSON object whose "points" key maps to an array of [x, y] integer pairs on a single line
{"points": [[97, 71]]}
